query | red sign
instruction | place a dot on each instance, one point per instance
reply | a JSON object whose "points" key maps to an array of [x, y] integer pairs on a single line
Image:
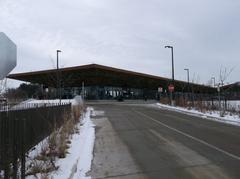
{"points": [[171, 88]]}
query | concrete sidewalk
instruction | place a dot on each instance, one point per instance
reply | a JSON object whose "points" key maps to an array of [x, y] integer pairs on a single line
{"points": [[111, 156]]}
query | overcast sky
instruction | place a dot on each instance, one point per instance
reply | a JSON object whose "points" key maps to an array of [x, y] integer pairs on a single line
{"points": [[128, 34]]}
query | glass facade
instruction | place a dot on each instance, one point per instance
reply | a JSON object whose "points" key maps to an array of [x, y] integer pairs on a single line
{"points": [[106, 92]]}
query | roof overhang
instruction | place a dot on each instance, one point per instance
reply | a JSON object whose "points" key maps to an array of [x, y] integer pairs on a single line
{"points": [[99, 75]]}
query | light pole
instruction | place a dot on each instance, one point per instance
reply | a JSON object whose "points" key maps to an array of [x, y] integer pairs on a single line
{"points": [[219, 98], [171, 93], [58, 77], [188, 95], [171, 47], [186, 69]]}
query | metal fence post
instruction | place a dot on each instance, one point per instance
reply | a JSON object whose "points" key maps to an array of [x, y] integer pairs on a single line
{"points": [[6, 146], [15, 147], [18, 134], [23, 160]]}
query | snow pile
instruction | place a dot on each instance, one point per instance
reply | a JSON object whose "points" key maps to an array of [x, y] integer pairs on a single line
{"points": [[47, 101], [77, 100], [34, 103], [211, 115], [78, 161]]}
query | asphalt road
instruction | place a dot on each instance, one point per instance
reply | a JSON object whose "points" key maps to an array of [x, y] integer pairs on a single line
{"points": [[171, 145]]}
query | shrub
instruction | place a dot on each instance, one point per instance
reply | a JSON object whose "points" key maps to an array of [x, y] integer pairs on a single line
{"points": [[57, 145]]}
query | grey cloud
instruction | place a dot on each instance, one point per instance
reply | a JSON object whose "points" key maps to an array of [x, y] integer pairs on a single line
{"points": [[126, 34]]}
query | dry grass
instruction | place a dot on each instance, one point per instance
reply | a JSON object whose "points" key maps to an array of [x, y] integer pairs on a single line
{"points": [[77, 111], [40, 167], [165, 100], [207, 106], [181, 102], [57, 145], [203, 105]]}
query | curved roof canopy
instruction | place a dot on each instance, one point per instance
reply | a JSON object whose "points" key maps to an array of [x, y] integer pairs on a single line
{"points": [[99, 75]]}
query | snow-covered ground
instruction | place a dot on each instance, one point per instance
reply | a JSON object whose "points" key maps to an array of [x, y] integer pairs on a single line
{"points": [[33, 103], [211, 115], [77, 99], [77, 163], [48, 101], [230, 104]]}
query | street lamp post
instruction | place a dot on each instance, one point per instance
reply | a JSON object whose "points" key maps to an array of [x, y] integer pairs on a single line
{"points": [[186, 69], [58, 77], [214, 84], [219, 98], [171, 93], [171, 47]]}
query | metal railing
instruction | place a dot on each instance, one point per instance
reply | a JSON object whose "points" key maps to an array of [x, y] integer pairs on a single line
{"points": [[22, 127]]}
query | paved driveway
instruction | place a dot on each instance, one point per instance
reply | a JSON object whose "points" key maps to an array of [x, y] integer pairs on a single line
{"points": [[136, 141]]}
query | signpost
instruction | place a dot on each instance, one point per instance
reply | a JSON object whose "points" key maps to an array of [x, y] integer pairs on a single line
{"points": [[171, 90], [8, 55]]}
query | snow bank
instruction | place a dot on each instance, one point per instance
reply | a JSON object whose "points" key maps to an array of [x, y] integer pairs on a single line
{"points": [[77, 100], [32, 103], [211, 115], [78, 162], [48, 101]]}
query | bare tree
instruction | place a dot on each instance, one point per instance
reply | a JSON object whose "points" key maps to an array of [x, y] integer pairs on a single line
{"points": [[195, 78], [224, 74], [3, 86], [53, 77], [209, 82]]}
